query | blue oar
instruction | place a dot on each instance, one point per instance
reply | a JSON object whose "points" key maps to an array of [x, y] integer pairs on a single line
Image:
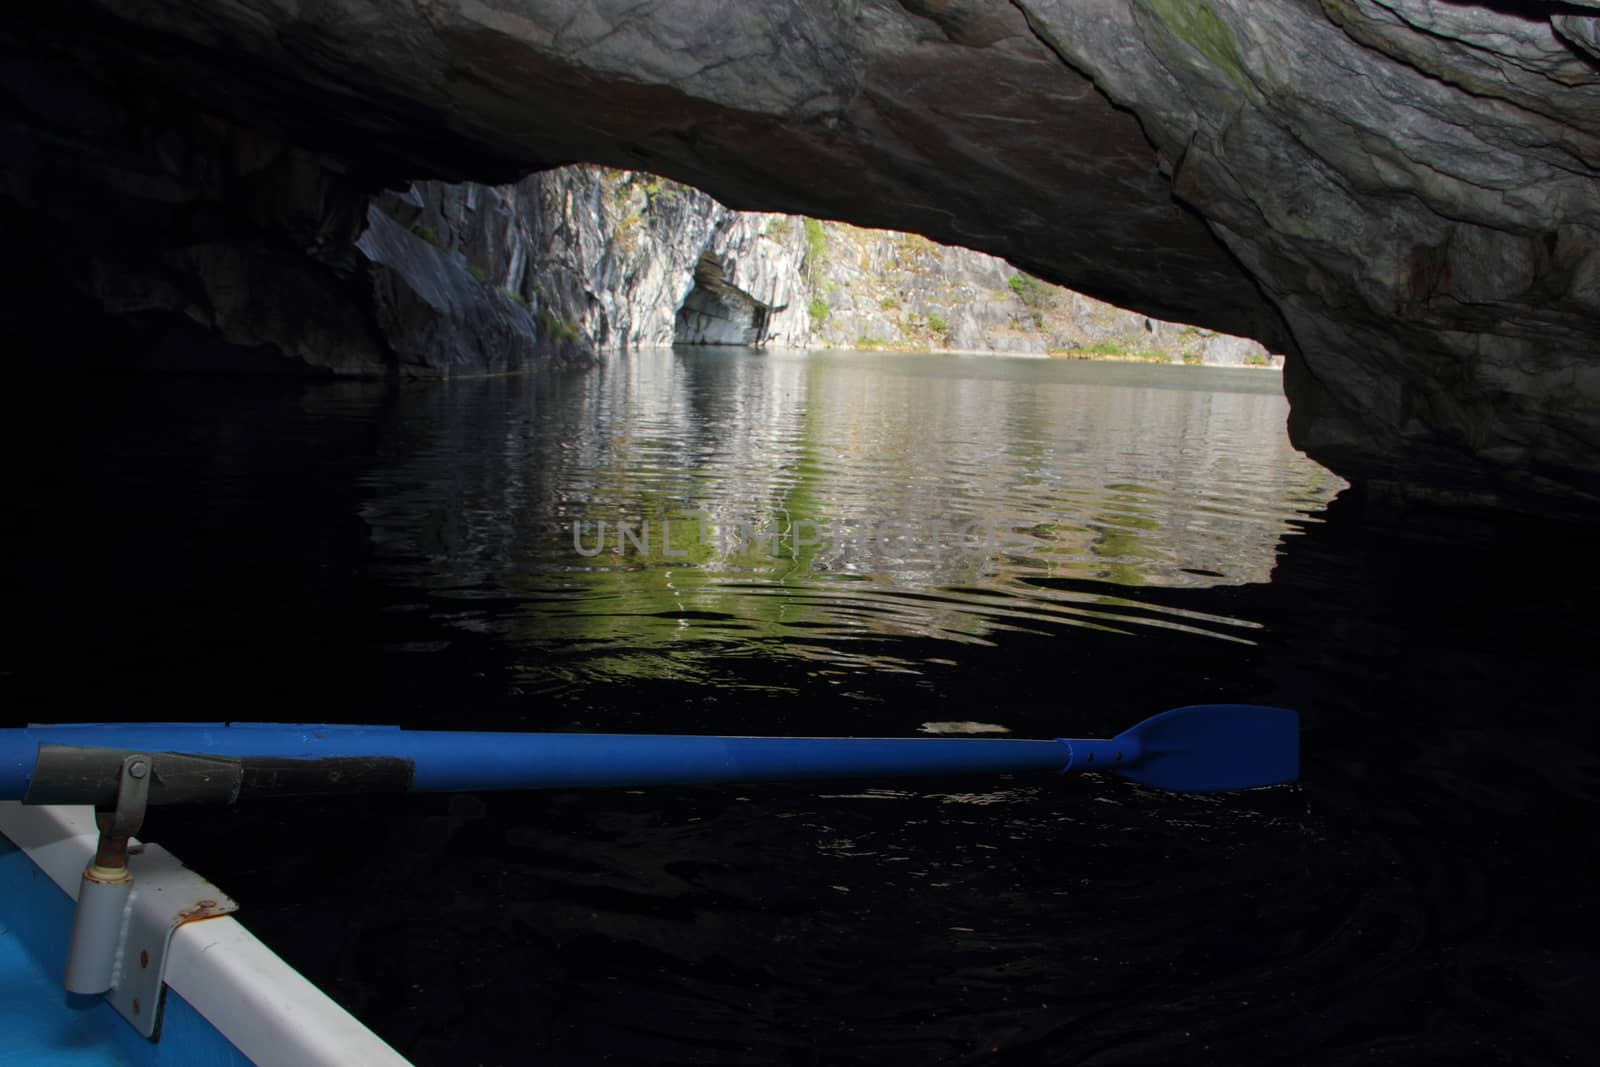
{"points": [[1201, 749]]}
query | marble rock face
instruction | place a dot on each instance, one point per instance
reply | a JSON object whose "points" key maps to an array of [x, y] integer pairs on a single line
{"points": [[1400, 194]]}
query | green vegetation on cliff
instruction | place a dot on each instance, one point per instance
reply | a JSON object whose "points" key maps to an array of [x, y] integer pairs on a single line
{"points": [[818, 309]]}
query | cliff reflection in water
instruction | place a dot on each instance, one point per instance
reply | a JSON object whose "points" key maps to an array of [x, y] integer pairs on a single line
{"points": [[660, 511]]}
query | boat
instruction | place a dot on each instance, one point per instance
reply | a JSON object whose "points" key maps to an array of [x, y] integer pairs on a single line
{"points": [[201, 990], [113, 952]]}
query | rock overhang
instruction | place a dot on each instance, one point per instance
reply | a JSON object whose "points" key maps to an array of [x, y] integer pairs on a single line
{"points": [[1401, 195]]}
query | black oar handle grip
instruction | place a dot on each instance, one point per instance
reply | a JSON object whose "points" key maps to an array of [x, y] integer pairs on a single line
{"points": [[69, 774]]}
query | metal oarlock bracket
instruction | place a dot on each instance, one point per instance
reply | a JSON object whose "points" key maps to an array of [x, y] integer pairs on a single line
{"points": [[131, 899], [107, 886]]}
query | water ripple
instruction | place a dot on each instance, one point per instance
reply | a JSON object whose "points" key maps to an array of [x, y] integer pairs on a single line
{"points": [[674, 507]]}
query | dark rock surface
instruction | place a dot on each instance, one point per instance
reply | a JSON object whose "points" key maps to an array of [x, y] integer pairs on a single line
{"points": [[436, 316], [1400, 193], [139, 229], [1412, 183]]}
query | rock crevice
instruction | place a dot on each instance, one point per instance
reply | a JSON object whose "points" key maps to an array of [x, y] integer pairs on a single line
{"points": [[718, 313]]}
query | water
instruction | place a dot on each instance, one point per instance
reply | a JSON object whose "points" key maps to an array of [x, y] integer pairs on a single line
{"points": [[813, 509], [859, 544]]}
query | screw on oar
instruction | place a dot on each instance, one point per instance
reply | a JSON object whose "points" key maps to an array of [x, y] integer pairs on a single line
{"points": [[1205, 748]]}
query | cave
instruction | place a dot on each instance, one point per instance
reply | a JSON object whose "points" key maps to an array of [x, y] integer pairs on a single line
{"points": [[717, 313], [1410, 215], [1398, 196]]}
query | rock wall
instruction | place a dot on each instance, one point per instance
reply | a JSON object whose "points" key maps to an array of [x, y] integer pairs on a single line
{"points": [[1413, 184], [140, 234], [602, 259], [880, 289], [605, 259]]}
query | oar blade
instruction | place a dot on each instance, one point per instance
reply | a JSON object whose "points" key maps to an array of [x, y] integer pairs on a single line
{"points": [[1214, 748]]}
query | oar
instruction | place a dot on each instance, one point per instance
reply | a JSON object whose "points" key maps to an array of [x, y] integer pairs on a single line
{"points": [[1206, 748]]}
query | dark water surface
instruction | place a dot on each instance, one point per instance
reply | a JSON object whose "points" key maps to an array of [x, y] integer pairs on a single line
{"points": [[852, 544]]}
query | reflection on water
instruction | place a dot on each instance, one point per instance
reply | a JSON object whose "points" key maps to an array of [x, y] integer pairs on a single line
{"points": [[361, 553], [646, 519]]}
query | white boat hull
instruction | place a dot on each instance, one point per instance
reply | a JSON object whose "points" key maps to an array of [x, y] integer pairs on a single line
{"points": [[227, 999]]}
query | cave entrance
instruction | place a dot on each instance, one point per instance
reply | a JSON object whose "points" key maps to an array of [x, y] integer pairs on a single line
{"points": [[718, 313]]}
